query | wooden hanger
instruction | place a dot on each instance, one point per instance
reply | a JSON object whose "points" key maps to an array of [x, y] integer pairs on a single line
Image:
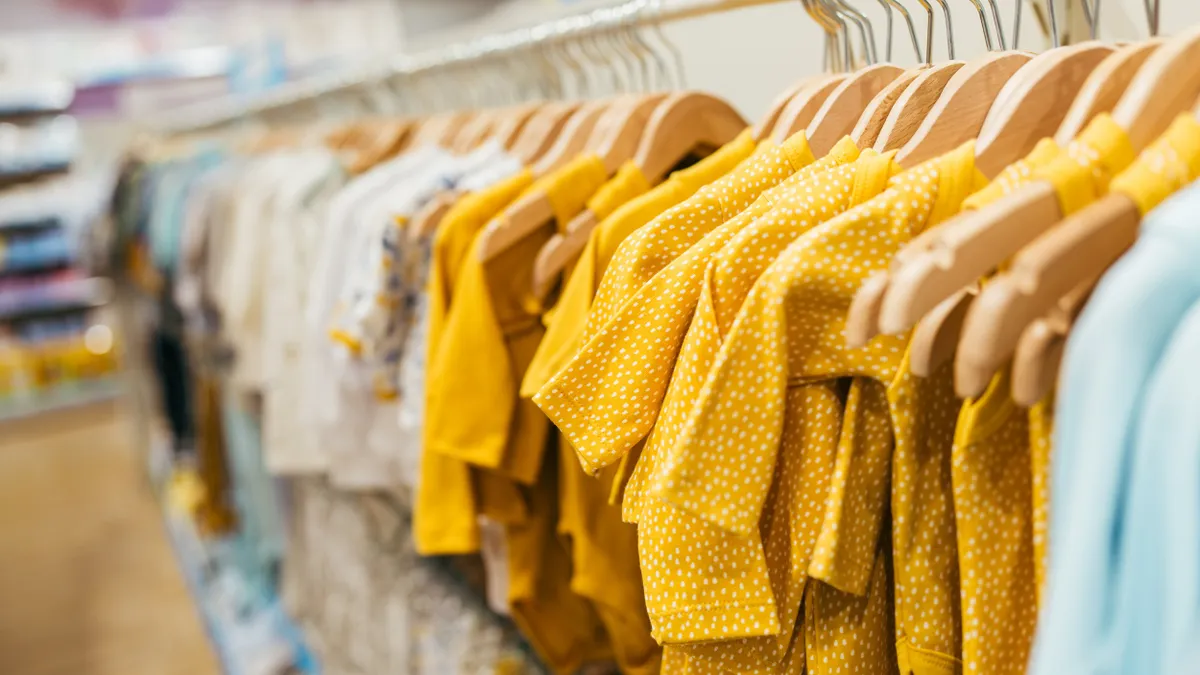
{"points": [[960, 110], [1039, 352], [975, 243], [508, 127], [914, 105], [573, 138], [840, 112], [875, 115], [1033, 104], [619, 132], [1166, 85], [1103, 88], [1084, 245], [681, 123], [614, 140], [801, 110], [1029, 107], [425, 222], [765, 126], [1080, 248], [382, 144], [541, 130], [476, 129]]}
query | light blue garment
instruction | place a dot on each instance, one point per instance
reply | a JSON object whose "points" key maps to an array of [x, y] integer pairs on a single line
{"points": [[1160, 566], [1113, 350]]}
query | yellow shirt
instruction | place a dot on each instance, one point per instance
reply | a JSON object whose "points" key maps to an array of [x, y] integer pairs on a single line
{"points": [[474, 415], [788, 529], [563, 334], [606, 399], [790, 332], [605, 564], [444, 517], [993, 468], [473, 412]]}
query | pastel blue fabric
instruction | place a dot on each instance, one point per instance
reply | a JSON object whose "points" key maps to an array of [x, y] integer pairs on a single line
{"points": [[1160, 564], [1114, 349]]}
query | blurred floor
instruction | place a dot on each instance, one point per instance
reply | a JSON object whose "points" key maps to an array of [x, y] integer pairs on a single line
{"points": [[88, 582]]}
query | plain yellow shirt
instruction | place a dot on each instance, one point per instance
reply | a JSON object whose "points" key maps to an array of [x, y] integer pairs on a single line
{"points": [[444, 514]]}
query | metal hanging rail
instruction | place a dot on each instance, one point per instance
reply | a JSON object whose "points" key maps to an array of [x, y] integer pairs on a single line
{"points": [[628, 14]]}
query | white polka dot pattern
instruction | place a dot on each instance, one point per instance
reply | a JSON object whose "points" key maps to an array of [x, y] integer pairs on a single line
{"points": [[608, 397], [992, 502], [790, 330]]}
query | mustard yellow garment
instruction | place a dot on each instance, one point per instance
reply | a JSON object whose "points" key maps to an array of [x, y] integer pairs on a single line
{"points": [[594, 401], [789, 332], [604, 549], [444, 514], [788, 526], [993, 468], [781, 537], [564, 333], [474, 415], [473, 412]]}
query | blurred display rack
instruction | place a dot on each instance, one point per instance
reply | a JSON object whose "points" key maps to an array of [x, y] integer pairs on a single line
{"points": [[62, 397], [265, 642], [93, 293]]}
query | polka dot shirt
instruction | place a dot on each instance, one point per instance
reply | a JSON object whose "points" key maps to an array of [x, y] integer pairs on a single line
{"points": [[607, 398], [788, 531], [789, 331]]}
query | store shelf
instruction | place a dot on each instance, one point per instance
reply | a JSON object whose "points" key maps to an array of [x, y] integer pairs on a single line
{"points": [[76, 394], [11, 178], [250, 638], [26, 224], [89, 294]]}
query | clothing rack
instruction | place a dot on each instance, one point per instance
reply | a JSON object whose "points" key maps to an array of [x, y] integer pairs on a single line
{"points": [[631, 14]]}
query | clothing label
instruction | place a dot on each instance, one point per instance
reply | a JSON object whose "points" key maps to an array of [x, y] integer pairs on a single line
{"points": [[494, 548]]}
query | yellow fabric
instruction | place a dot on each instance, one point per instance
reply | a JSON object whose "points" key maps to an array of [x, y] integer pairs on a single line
{"points": [[1082, 173], [1171, 162], [569, 187], [628, 183], [562, 626], [787, 336], [444, 513], [731, 273], [598, 418], [563, 334], [773, 552], [1041, 433], [648, 250], [999, 470], [993, 500], [604, 549], [474, 414], [1015, 175]]}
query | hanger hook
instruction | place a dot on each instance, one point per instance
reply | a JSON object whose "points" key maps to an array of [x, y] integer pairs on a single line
{"points": [[912, 28], [887, 43], [998, 24], [928, 31], [676, 56], [1152, 15], [843, 31], [949, 28], [835, 31], [987, 34], [865, 32], [1055, 40]]}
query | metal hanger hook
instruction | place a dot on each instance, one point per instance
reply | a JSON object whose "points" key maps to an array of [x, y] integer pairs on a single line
{"points": [[949, 28]]}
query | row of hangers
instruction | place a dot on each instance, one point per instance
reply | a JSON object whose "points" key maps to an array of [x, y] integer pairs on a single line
{"points": [[1007, 100]]}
